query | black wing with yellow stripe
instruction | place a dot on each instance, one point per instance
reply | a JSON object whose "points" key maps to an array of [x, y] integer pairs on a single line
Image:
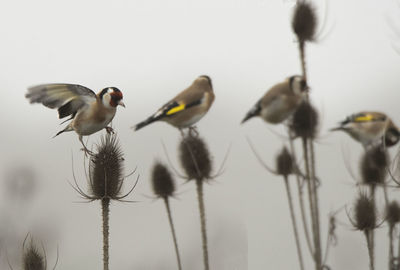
{"points": [[168, 110], [364, 117]]}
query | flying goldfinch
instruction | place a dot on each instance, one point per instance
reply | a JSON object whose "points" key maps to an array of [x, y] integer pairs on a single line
{"points": [[187, 108], [280, 101], [89, 112], [370, 127]]}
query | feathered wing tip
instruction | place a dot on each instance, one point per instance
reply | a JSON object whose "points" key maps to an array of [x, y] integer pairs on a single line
{"points": [[144, 123]]}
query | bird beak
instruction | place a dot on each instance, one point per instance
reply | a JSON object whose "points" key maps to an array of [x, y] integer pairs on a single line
{"points": [[121, 103]]}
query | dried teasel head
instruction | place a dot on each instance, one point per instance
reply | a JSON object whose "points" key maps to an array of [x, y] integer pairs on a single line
{"points": [[304, 21], [195, 158], [374, 166], [365, 216], [106, 169], [393, 213], [304, 121], [33, 259], [162, 182], [284, 163]]}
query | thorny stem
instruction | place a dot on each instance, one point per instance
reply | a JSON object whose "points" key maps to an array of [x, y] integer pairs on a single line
{"points": [[105, 206], [372, 231], [301, 200], [318, 251], [391, 251], [293, 218], [199, 185], [370, 249], [173, 232], [311, 200]]}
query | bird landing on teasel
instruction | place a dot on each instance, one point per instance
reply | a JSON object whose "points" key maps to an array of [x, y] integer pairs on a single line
{"points": [[280, 101], [89, 112], [187, 108], [370, 128]]}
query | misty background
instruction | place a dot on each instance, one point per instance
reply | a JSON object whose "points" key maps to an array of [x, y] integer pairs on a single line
{"points": [[151, 50]]}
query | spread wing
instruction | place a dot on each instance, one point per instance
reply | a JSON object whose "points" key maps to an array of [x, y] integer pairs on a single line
{"points": [[67, 98]]}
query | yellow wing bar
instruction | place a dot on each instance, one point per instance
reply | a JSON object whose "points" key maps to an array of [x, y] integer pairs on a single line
{"points": [[176, 109]]}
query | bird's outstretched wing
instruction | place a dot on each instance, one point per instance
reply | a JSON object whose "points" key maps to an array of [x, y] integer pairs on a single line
{"points": [[67, 98]]}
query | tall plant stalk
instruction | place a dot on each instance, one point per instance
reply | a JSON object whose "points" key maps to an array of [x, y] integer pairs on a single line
{"points": [[105, 207], [178, 258]]}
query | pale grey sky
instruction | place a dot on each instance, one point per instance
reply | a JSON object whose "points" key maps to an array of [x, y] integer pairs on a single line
{"points": [[153, 49]]}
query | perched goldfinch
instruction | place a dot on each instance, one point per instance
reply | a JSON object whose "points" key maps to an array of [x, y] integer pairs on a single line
{"points": [[369, 128], [188, 107], [89, 112], [280, 101]]}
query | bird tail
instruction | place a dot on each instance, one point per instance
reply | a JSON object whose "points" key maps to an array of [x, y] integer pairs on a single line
{"points": [[336, 129], [144, 123], [67, 128], [253, 112]]}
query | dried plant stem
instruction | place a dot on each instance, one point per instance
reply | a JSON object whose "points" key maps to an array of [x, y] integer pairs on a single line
{"points": [[178, 258], [317, 255], [105, 206], [398, 253], [293, 218], [303, 59], [318, 250], [370, 249], [372, 232], [391, 250], [301, 201], [200, 195]]}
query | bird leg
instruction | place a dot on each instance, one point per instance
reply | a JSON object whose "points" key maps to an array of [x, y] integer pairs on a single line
{"points": [[110, 130], [85, 149], [193, 132]]}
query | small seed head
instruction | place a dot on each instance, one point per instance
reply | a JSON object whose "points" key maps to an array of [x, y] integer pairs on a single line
{"points": [[304, 21], [365, 213], [32, 259], [163, 183], [393, 213], [195, 158], [284, 163], [304, 121], [106, 169]]}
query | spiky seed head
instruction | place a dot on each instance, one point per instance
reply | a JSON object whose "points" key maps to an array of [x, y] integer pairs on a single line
{"points": [[162, 181], [365, 213], [284, 163], [374, 166], [304, 121], [304, 21], [393, 213], [106, 169], [33, 259], [195, 158]]}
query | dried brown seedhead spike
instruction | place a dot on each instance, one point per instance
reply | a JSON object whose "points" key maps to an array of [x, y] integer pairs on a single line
{"points": [[106, 169], [393, 213], [284, 163], [374, 166], [304, 121], [162, 181], [304, 21], [365, 213], [33, 259], [195, 158]]}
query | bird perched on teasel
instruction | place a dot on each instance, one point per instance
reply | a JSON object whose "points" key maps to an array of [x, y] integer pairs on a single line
{"points": [[187, 108], [89, 112], [280, 101], [369, 128]]}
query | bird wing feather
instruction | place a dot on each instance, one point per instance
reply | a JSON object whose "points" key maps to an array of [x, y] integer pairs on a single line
{"points": [[68, 98]]}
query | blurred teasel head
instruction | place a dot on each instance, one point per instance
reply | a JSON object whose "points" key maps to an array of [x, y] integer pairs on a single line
{"points": [[365, 216], [162, 182], [106, 169], [304, 121], [304, 21], [393, 213], [195, 158], [374, 166], [33, 259], [284, 163]]}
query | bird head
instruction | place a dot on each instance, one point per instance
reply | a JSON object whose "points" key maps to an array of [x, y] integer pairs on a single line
{"points": [[205, 79], [111, 97], [392, 135], [298, 84]]}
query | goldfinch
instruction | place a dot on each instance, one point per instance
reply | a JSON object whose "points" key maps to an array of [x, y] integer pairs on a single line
{"points": [[369, 128], [187, 108], [89, 112], [280, 101]]}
